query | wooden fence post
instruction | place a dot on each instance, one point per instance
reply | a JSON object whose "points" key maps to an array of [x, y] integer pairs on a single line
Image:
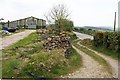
{"points": [[115, 22]]}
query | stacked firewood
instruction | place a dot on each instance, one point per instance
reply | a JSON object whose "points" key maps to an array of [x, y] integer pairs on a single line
{"points": [[59, 42]]}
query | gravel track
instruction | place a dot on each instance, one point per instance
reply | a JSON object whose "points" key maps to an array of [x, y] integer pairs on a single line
{"points": [[90, 68], [9, 40], [112, 62]]}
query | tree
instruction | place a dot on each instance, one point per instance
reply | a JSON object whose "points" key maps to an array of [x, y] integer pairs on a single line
{"points": [[58, 15], [65, 25]]}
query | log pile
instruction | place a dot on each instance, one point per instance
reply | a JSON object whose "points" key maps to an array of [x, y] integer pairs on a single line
{"points": [[42, 31], [51, 42], [59, 42]]}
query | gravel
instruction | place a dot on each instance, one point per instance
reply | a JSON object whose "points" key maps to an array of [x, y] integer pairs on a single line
{"points": [[9, 40], [90, 68], [112, 62]]}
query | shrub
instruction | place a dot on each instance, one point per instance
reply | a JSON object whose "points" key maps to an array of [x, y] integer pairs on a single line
{"points": [[98, 39], [109, 40], [73, 37], [64, 25]]}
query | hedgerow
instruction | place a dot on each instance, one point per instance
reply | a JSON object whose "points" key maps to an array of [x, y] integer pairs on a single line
{"points": [[109, 40]]}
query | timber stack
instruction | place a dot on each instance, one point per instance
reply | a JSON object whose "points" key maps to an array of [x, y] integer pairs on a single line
{"points": [[56, 42], [61, 41]]}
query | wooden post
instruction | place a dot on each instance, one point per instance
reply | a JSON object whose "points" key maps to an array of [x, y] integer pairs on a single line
{"points": [[115, 22], [8, 23]]}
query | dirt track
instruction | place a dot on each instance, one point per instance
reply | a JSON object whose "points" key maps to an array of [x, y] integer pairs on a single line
{"points": [[9, 40], [91, 69], [112, 62]]}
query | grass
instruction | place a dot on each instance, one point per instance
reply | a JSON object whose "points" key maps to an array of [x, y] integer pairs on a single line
{"points": [[24, 42], [10, 67], [51, 65], [0, 27], [0, 69], [96, 57], [113, 54], [28, 59]]}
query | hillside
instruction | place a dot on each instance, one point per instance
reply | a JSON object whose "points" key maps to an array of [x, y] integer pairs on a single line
{"points": [[104, 28]]}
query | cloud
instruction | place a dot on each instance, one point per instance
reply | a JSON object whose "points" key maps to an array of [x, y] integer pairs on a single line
{"points": [[83, 12]]}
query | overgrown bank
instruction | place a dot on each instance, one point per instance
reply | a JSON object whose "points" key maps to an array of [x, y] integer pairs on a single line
{"points": [[107, 43], [28, 59], [89, 43]]}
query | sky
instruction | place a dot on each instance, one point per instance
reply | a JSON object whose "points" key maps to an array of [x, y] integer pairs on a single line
{"points": [[82, 12]]}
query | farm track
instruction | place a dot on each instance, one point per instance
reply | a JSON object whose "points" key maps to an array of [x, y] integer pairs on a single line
{"points": [[112, 62], [9, 40], [90, 68]]}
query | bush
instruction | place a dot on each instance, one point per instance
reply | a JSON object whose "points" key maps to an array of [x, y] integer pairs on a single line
{"points": [[98, 39], [73, 37], [64, 25], [109, 40]]}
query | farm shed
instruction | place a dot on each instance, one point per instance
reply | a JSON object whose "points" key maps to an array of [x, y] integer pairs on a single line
{"points": [[28, 23]]}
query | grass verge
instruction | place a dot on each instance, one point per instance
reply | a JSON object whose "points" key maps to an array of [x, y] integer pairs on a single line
{"points": [[96, 57], [100, 49]]}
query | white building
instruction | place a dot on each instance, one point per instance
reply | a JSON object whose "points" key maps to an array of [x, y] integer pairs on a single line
{"points": [[119, 16]]}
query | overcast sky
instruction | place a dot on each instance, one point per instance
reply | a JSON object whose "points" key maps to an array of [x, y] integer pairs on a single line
{"points": [[83, 12]]}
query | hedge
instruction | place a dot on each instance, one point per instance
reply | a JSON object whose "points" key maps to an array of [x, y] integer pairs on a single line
{"points": [[109, 40]]}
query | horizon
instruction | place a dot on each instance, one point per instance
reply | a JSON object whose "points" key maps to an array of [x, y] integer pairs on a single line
{"points": [[105, 27]]}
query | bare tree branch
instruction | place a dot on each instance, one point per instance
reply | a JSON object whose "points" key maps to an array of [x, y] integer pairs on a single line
{"points": [[56, 13]]}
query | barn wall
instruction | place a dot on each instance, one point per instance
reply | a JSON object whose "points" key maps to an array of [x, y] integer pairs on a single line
{"points": [[29, 22]]}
